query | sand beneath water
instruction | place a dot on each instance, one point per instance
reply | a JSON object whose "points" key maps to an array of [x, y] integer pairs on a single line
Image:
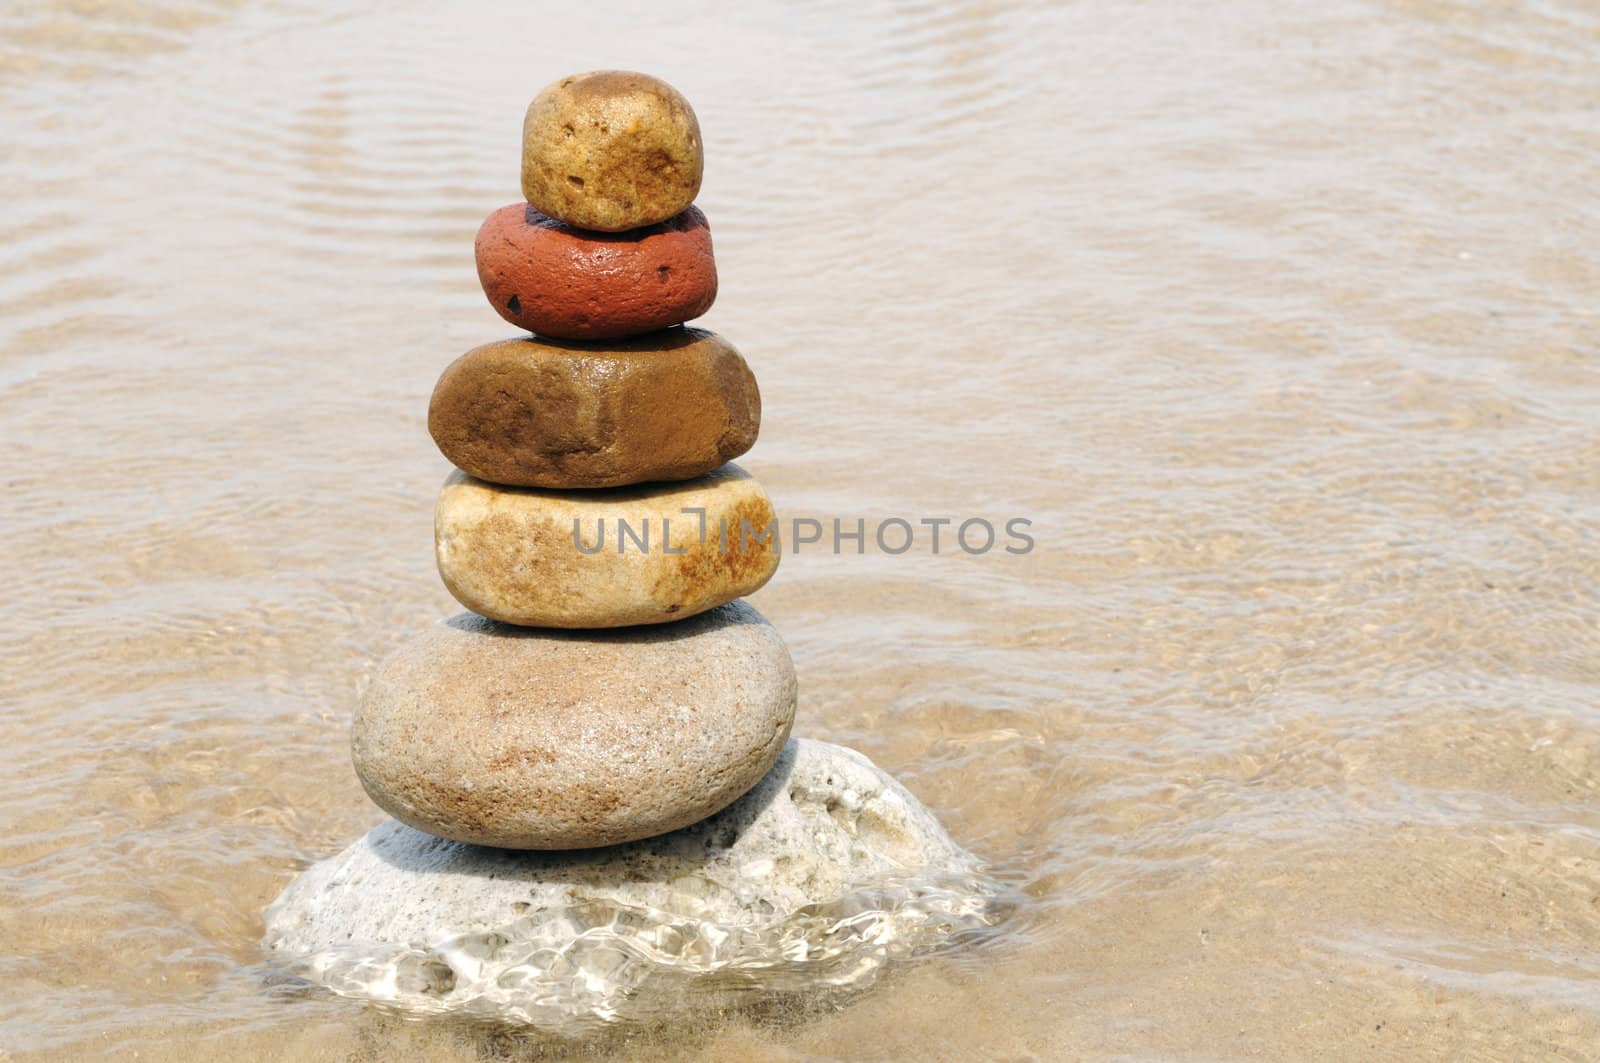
{"points": [[1277, 321]]}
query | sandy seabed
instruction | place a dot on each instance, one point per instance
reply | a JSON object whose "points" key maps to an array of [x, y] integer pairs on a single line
{"points": [[1277, 321]]}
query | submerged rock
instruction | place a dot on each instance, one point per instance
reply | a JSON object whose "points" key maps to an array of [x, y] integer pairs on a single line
{"points": [[819, 876]]}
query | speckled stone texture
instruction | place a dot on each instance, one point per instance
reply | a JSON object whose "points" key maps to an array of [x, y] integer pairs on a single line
{"points": [[518, 554], [529, 739], [611, 150], [819, 876], [535, 413], [548, 277]]}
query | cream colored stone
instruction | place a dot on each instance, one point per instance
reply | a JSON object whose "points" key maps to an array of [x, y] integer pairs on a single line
{"points": [[528, 739], [518, 554], [611, 150]]}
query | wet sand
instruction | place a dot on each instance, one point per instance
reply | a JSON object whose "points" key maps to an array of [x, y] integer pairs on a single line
{"points": [[1278, 321]]}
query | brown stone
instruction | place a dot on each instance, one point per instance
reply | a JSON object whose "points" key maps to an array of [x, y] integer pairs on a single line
{"points": [[546, 413], [548, 277], [611, 150], [526, 739], [563, 558]]}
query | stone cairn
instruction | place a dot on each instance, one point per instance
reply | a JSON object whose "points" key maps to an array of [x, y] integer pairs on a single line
{"points": [[598, 802], [593, 490]]}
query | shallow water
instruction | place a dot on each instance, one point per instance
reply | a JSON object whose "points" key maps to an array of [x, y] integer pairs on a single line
{"points": [[1278, 321]]}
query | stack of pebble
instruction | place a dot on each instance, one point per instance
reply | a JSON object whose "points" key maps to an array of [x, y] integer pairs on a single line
{"points": [[594, 490], [608, 688]]}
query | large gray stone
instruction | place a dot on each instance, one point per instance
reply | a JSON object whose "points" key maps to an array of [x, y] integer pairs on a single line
{"points": [[525, 738], [820, 875]]}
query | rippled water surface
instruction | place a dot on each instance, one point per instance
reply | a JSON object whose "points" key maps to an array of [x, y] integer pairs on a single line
{"points": [[1279, 321]]}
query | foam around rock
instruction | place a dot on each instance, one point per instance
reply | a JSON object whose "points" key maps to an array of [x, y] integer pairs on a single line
{"points": [[821, 875]]}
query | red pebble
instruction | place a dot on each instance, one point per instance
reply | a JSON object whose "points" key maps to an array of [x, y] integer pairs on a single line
{"points": [[548, 277]]}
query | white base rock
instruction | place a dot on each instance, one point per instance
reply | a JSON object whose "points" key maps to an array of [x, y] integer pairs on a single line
{"points": [[819, 876]]}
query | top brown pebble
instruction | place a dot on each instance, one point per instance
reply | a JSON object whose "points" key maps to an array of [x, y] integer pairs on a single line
{"points": [[611, 150]]}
